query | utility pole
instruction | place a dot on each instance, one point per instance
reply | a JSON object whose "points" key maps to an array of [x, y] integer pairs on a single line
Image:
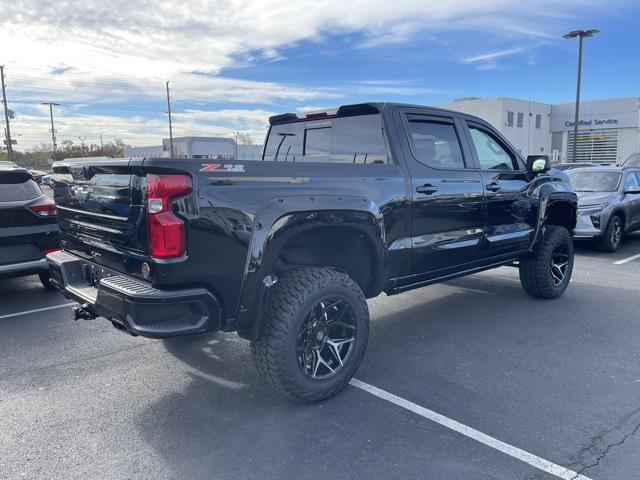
{"points": [[82, 139], [53, 130], [235, 136], [6, 116], [170, 126], [101, 144], [581, 34]]}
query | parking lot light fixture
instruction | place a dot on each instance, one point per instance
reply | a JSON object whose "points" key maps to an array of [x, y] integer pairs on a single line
{"points": [[581, 34]]}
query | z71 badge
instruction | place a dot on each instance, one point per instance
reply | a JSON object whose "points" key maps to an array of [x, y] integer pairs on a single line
{"points": [[222, 167]]}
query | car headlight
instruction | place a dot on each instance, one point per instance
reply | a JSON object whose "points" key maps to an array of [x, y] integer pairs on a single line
{"points": [[591, 209], [594, 212]]}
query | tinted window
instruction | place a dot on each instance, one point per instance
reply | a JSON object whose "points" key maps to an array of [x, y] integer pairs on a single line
{"points": [[18, 187], [436, 144], [538, 121], [631, 181], [317, 143], [285, 143], [520, 119], [491, 154], [589, 181], [343, 140]]}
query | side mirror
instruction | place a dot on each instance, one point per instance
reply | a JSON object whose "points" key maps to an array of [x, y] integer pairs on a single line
{"points": [[538, 163], [633, 190]]}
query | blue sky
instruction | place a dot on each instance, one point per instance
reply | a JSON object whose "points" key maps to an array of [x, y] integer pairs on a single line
{"points": [[231, 64]]}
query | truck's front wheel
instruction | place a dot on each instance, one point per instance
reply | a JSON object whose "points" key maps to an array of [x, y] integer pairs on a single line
{"points": [[315, 336], [547, 273]]}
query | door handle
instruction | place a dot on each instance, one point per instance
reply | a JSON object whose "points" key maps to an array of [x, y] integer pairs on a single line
{"points": [[427, 189], [493, 187]]}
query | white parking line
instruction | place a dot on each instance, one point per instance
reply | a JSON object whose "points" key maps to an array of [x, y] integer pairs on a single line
{"points": [[628, 259], [36, 310], [526, 457]]}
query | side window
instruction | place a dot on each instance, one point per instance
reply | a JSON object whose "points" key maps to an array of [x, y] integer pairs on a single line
{"points": [[631, 181], [436, 143], [520, 119], [538, 120], [491, 154]]}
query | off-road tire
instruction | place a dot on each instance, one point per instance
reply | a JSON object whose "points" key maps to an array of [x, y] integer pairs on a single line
{"points": [[535, 271], [45, 279], [274, 352], [608, 243]]}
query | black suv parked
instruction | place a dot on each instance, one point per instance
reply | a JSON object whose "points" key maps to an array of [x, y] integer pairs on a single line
{"points": [[28, 228], [345, 204]]}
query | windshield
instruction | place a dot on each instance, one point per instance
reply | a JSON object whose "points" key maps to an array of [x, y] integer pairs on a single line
{"points": [[594, 181]]}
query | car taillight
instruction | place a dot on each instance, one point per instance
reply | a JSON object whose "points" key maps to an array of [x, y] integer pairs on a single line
{"points": [[45, 209], [46, 251], [166, 230]]}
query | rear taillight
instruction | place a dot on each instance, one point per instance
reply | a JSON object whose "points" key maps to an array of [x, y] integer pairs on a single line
{"points": [[46, 251], [45, 209], [166, 230]]}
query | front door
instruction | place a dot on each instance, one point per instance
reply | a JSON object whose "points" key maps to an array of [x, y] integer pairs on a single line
{"points": [[510, 214], [447, 195]]}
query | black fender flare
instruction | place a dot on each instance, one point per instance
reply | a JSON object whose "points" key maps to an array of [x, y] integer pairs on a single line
{"points": [[548, 194], [284, 217]]}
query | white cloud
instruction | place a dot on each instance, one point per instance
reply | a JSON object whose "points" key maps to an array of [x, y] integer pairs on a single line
{"points": [[490, 56], [99, 52]]}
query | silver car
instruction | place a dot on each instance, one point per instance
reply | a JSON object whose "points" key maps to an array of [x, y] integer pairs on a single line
{"points": [[608, 204]]}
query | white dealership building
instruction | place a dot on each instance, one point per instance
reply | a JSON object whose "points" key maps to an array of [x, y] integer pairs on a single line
{"points": [[608, 130]]}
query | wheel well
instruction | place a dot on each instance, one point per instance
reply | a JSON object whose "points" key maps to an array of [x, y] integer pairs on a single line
{"points": [[562, 214], [619, 213], [344, 248]]}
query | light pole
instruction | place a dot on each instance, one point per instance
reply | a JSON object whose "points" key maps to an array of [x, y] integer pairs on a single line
{"points": [[53, 130], [581, 34]]}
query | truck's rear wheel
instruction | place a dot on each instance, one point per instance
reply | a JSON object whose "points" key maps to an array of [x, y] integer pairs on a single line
{"points": [[547, 273], [315, 336]]}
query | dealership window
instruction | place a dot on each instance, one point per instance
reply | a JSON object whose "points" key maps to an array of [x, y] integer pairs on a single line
{"points": [[520, 119], [538, 121], [509, 119]]}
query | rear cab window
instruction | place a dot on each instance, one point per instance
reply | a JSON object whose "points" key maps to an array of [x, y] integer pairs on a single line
{"points": [[18, 187], [355, 139]]}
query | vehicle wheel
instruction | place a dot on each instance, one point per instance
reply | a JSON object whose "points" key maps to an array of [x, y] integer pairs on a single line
{"points": [[315, 335], [547, 273], [610, 241], [45, 279]]}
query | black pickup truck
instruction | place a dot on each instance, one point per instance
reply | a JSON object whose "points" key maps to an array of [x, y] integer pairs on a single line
{"points": [[345, 204]]}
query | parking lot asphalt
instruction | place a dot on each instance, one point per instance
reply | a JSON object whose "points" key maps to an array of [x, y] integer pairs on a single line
{"points": [[559, 379]]}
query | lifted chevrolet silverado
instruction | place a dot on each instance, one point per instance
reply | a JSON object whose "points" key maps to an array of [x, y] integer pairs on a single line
{"points": [[345, 204]]}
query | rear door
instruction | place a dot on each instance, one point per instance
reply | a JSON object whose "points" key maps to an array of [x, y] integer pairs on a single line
{"points": [[447, 196], [100, 209], [509, 215]]}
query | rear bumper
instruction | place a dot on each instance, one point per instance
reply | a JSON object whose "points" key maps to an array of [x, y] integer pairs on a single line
{"points": [[135, 305]]}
